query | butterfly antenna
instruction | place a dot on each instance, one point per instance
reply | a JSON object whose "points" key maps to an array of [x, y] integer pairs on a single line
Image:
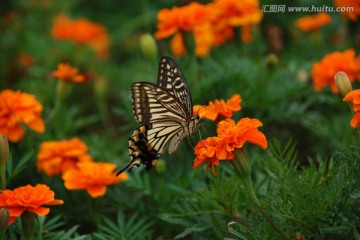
{"points": [[203, 128], [191, 143]]}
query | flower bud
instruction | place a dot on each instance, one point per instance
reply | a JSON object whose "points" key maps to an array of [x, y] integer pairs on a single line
{"points": [[4, 149], [343, 83], [4, 218], [272, 60], [101, 86], [242, 168], [148, 46], [160, 166]]}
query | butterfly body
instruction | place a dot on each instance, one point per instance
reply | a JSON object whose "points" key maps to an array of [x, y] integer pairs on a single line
{"points": [[165, 110]]}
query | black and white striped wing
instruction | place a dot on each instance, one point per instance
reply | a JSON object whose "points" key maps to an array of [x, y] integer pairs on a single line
{"points": [[164, 113], [139, 151], [172, 80]]}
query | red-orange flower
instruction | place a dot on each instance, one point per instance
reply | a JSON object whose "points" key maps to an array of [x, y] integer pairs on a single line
{"points": [[192, 17], [82, 31], [177, 45], [230, 136], [239, 13], [234, 13], [354, 97], [313, 22], [211, 24], [18, 108], [92, 176], [28, 198], [349, 8], [219, 108], [323, 72], [60, 156], [67, 73]]}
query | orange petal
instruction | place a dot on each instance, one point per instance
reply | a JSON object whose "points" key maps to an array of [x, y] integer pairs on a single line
{"points": [[41, 211], [97, 191]]}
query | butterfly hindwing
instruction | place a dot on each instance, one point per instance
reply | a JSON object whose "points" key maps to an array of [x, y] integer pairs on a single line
{"points": [[140, 150]]}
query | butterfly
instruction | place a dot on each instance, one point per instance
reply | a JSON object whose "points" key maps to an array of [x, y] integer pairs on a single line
{"points": [[166, 112]]}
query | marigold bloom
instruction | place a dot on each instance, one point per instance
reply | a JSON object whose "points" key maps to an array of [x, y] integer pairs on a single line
{"points": [[353, 96], [313, 22], [219, 108], [230, 136], [233, 13], [239, 13], [193, 17], [177, 45], [28, 198], [351, 14], [355, 121], [67, 73], [60, 156], [92, 176], [18, 108], [82, 31], [323, 72]]}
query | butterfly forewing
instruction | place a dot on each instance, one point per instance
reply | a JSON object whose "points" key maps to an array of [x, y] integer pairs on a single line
{"points": [[172, 80], [152, 104]]}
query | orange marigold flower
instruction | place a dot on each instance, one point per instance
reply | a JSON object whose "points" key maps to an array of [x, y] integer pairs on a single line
{"points": [[60, 156], [230, 136], [18, 108], [233, 13], [193, 17], [204, 39], [313, 22], [82, 31], [92, 176], [28, 198], [67, 73], [355, 121], [323, 72], [239, 13], [219, 108], [353, 96], [348, 13], [177, 45]]}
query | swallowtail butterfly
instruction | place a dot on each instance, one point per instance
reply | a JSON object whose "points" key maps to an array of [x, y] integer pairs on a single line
{"points": [[166, 112]]}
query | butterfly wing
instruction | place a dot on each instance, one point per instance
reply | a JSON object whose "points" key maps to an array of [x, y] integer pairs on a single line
{"points": [[172, 80], [165, 114], [140, 152]]}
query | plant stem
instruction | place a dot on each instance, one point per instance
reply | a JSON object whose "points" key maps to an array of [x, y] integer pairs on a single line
{"points": [[267, 217], [3, 175], [243, 169]]}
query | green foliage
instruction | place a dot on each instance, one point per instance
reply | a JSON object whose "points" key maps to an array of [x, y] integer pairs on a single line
{"points": [[134, 227]]}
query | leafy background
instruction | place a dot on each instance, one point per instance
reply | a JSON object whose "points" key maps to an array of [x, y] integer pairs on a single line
{"points": [[307, 180]]}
